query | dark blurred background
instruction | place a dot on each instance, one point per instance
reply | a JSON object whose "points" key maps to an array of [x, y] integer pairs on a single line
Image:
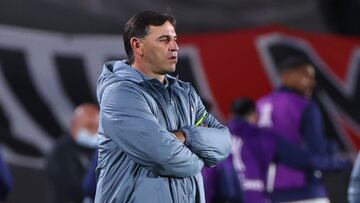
{"points": [[109, 16]]}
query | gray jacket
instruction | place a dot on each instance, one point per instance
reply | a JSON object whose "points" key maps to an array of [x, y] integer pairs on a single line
{"points": [[139, 159], [354, 185]]}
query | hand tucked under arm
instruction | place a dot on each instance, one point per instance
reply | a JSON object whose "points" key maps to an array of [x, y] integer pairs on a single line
{"points": [[180, 135]]}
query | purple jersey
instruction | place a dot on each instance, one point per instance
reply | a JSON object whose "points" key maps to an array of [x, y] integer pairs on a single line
{"points": [[222, 184], [253, 149], [282, 111]]}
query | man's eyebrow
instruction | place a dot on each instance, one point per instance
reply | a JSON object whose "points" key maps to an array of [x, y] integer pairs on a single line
{"points": [[167, 36]]}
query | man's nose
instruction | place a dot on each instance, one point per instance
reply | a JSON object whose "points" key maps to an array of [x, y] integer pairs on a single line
{"points": [[174, 46]]}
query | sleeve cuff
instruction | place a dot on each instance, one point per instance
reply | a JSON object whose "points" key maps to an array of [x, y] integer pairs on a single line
{"points": [[188, 133]]}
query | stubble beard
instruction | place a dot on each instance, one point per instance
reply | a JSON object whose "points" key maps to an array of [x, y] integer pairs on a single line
{"points": [[167, 71]]}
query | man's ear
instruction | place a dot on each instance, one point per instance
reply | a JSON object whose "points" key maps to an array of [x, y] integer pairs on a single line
{"points": [[136, 46]]}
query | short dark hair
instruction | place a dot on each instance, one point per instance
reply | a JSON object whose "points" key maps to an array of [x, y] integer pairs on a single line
{"points": [[138, 26], [243, 106], [293, 63]]}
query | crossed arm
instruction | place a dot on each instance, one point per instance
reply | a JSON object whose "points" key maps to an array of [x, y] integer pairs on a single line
{"points": [[207, 138], [127, 119]]}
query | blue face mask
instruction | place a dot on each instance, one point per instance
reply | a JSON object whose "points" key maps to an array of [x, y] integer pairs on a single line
{"points": [[86, 139]]}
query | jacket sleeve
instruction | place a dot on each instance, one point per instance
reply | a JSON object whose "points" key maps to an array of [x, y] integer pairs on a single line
{"points": [[127, 119], [301, 158], [211, 140], [354, 185], [316, 143]]}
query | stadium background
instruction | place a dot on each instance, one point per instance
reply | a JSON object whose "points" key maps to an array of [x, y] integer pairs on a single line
{"points": [[51, 53]]}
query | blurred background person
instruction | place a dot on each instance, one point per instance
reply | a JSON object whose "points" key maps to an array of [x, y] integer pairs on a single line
{"points": [[255, 148], [222, 184], [72, 154], [89, 181], [242, 177], [291, 113], [6, 182]]}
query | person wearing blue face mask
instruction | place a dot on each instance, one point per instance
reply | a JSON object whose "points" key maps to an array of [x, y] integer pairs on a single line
{"points": [[71, 156], [86, 138]]}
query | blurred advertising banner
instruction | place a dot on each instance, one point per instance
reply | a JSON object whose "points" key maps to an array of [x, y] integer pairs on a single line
{"points": [[44, 76]]}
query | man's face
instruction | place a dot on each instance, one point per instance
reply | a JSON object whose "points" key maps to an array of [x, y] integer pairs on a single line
{"points": [[160, 49], [305, 80]]}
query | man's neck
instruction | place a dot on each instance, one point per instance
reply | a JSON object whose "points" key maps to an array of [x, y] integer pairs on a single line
{"points": [[147, 72]]}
